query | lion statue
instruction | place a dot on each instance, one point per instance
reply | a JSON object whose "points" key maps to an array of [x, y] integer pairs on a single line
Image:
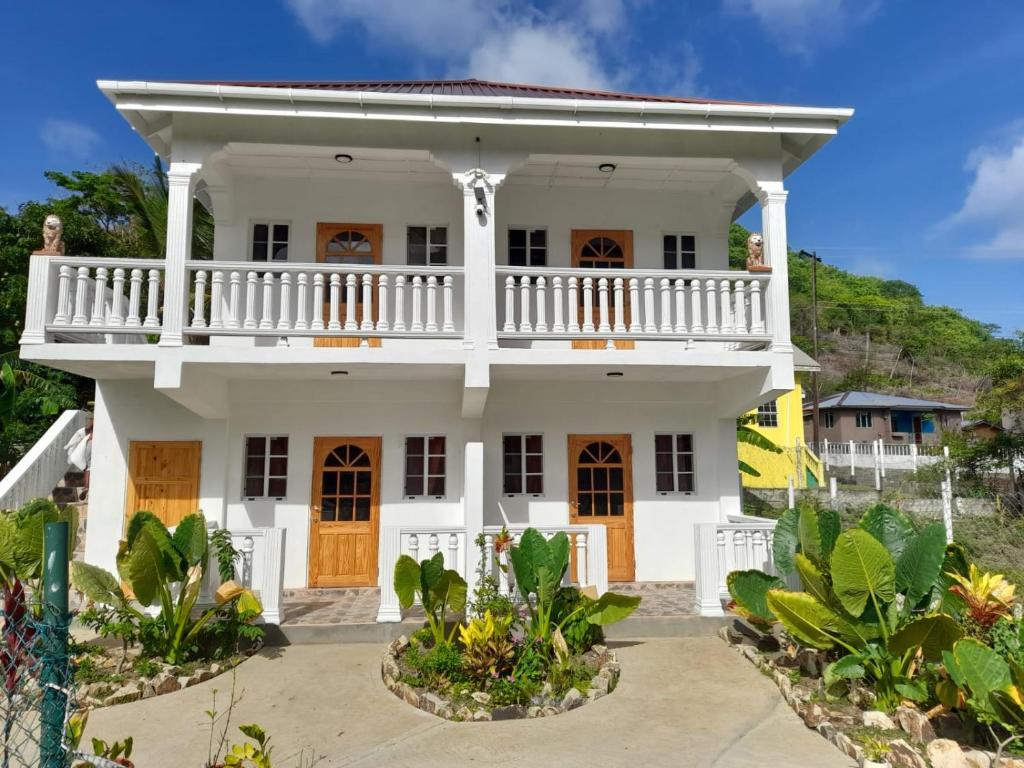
{"points": [[755, 251], [53, 229]]}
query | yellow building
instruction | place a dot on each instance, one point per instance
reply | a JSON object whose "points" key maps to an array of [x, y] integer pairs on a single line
{"points": [[782, 421]]}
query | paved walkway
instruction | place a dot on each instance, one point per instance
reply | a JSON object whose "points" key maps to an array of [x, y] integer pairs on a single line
{"points": [[681, 703], [304, 607]]}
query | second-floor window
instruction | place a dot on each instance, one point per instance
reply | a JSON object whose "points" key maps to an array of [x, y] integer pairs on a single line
{"points": [[680, 251], [269, 241], [427, 246], [768, 414], [827, 419], [864, 419], [527, 247], [425, 466], [266, 467]]}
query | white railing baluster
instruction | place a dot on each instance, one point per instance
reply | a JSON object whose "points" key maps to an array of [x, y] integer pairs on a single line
{"points": [[350, 302], [453, 551], [726, 325], [153, 300], [267, 313], [634, 306], [541, 326], [414, 547], [619, 296], [99, 297], [558, 320], [284, 309], [756, 317], [711, 306], [739, 317], [117, 303], [524, 305], [431, 325], [81, 296], [417, 305], [649, 324], [217, 299], [696, 324], [432, 545], [573, 305], [134, 299], [367, 321], [334, 304], [235, 300], [250, 300], [581, 558], [510, 304], [199, 305], [63, 295], [666, 305], [680, 294], [399, 303], [602, 306], [448, 321], [382, 303], [588, 305], [488, 554], [301, 298]]}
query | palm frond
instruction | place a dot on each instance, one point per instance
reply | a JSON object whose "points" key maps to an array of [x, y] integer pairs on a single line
{"points": [[746, 469]]}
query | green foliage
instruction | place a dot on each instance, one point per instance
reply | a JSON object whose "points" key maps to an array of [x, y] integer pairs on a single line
{"points": [[570, 614], [749, 590], [747, 435], [487, 646], [487, 596], [437, 589], [436, 667], [225, 553], [254, 753]]}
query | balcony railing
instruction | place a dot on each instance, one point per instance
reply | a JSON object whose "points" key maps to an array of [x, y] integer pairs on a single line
{"points": [[586, 304], [371, 301]]}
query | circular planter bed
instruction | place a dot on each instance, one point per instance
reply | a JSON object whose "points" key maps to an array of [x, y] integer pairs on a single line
{"points": [[460, 702]]}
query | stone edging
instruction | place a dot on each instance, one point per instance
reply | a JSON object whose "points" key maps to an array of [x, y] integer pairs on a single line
{"points": [[168, 680], [603, 683], [920, 749]]}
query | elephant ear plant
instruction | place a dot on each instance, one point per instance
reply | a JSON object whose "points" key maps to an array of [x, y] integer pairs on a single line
{"points": [[438, 590], [539, 565], [871, 591]]}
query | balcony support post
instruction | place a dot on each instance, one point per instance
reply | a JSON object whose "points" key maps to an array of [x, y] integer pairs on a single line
{"points": [[181, 183], [479, 318], [773, 222]]}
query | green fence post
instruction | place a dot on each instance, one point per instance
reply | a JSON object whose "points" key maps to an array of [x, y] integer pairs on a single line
{"points": [[55, 668]]}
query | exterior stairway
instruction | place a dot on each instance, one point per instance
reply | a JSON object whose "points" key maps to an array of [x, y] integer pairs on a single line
{"points": [[70, 492]]}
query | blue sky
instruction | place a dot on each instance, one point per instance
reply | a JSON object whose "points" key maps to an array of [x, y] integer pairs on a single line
{"points": [[925, 184]]}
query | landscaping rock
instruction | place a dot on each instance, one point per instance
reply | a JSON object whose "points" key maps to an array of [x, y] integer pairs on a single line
{"points": [[124, 694], [916, 724], [165, 682], [809, 662], [464, 713], [183, 681], [977, 759], [753, 635], [902, 755], [407, 693], [599, 683], [572, 699], [548, 711], [481, 714], [595, 693], [846, 745], [945, 753], [873, 718], [949, 726], [435, 705], [389, 667], [481, 697], [533, 712], [510, 712], [814, 715]]}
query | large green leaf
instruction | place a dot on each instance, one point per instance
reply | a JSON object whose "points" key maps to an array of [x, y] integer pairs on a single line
{"points": [[932, 634], [982, 669], [407, 580], [611, 607], [539, 564], [750, 591], [95, 583], [137, 522], [889, 526], [1007, 707], [805, 618], [191, 541], [919, 566], [808, 533], [450, 588], [785, 541], [955, 560], [849, 667], [861, 568], [149, 565], [813, 579], [829, 527]]}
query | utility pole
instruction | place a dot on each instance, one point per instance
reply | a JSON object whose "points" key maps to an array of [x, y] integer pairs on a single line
{"points": [[815, 420]]}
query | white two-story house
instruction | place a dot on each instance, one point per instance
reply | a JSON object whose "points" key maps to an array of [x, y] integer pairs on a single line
{"points": [[435, 308]]}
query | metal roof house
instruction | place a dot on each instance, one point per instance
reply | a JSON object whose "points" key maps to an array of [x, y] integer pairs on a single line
{"points": [[868, 416]]}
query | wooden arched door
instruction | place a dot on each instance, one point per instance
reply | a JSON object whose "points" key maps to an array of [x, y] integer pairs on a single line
{"points": [[344, 512], [351, 244], [602, 249], [601, 491]]}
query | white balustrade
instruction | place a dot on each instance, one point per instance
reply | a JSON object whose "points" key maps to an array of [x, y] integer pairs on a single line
{"points": [[323, 300], [588, 543], [260, 568], [419, 543], [632, 304]]}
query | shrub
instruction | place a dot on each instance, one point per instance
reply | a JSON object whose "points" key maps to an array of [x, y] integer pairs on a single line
{"points": [[438, 590], [487, 646]]}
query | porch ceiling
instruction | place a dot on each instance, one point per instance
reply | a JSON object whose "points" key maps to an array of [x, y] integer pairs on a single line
{"points": [[681, 174], [247, 159]]}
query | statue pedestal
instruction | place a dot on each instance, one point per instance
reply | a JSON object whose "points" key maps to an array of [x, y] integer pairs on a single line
{"points": [[759, 268]]}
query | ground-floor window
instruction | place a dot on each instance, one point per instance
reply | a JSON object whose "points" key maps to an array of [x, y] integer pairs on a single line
{"points": [[864, 419], [266, 467], [425, 466], [673, 463], [827, 419], [523, 464]]}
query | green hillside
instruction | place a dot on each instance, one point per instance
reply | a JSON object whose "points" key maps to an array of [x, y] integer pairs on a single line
{"points": [[880, 334]]}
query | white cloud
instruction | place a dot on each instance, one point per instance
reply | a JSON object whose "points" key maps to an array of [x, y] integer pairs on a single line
{"points": [[68, 137], [992, 206], [576, 43], [799, 26]]}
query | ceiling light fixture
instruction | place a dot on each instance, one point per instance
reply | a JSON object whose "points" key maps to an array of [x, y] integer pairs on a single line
{"points": [[339, 373], [606, 167], [614, 374], [343, 158]]}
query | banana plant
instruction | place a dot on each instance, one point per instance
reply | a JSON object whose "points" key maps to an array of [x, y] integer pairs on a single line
{"points": [[540, 565], [870, 591], [438, 590]]}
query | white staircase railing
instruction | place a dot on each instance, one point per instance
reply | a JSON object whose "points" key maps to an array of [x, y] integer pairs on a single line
{"points": [[46, 462], [740, 543]]}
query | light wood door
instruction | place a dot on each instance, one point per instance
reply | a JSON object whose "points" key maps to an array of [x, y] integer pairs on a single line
{"points": [[163, 478], [345, 512], [601, 491], [602, 249], [353, 244]]}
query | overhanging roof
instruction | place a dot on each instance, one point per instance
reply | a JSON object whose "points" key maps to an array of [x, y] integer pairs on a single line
{"points": [[875, 400]]}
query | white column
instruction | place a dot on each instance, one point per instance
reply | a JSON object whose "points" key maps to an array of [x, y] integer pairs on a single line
{"points": [[473, 496], [705, 549], [773, 222], [479, 317], [181, 178], [39, 305]]}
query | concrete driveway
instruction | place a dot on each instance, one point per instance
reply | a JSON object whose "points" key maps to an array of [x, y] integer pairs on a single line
{"points": [[681, 702]]}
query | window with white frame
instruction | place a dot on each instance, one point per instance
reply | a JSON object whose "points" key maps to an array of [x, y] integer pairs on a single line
{"points": [[266, 467], [864, 419], [680, 251], [425, 467], [768, 414], [827, 419], [427, 246], [527, 247], [523, 467], [674, 470], [269, 241]]}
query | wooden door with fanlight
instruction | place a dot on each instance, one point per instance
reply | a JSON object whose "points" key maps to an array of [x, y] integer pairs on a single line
{"points": [[602, 249], [601, 492], [349, 244]]}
